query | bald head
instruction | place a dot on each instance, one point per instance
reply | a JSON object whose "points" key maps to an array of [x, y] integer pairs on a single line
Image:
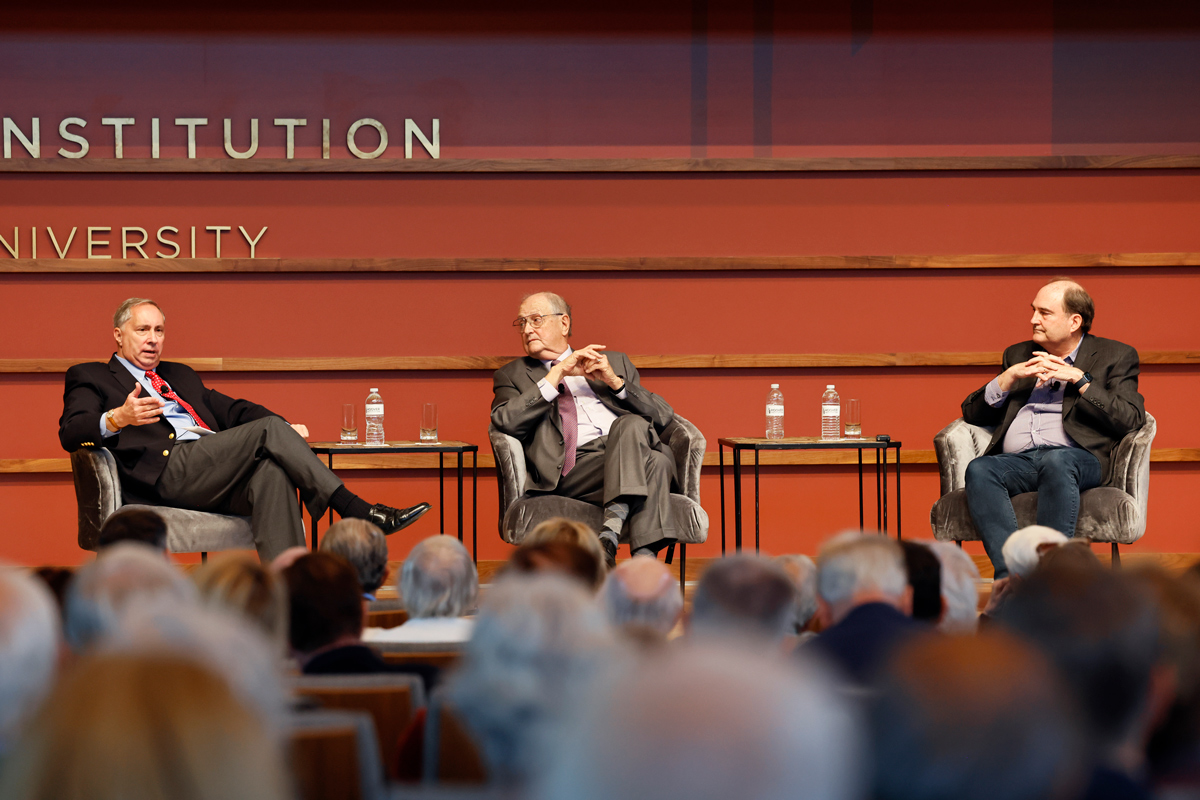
{"points": [[1062, 315], [547, 324], [641, 592]]}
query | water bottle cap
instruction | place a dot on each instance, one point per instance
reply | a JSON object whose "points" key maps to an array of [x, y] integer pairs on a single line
{"points": [[373, 389], [830, 386], [774, 385]]}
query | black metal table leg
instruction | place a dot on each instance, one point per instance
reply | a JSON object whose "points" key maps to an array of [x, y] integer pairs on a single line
{"points": [[721, 463], [441, 492], [885, 508], [475, 506], [460, 496], [756, 501], [737, 500], [898, 493], [878, 495], [860, 490]]}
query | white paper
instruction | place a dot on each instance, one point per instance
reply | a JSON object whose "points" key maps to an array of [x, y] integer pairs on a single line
{"points": [[199, 430]]}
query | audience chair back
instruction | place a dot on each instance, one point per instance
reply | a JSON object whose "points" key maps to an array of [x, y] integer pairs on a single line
{"points": [[451, 754], [441, 655], [335, 756], [521, 512], [1115, 512], [391, 699], [98, 495]]}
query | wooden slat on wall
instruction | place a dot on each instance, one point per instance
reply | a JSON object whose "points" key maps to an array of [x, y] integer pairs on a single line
{"points": [[1056, 261], [597, 165], [36, 466], [491, 363]]}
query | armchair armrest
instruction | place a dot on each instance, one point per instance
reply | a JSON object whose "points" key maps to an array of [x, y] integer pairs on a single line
{"points": [[1130, 467], [510, 467], [687, 444], [97, 491], [957, 445]]}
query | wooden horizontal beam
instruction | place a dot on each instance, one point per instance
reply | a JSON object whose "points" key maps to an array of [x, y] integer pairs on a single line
{"points": [[40, 466], [1057, 261], [230, 166], [491, 363]]}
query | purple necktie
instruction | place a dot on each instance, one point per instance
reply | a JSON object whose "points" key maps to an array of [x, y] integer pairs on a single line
{"points": [[570, 423]]}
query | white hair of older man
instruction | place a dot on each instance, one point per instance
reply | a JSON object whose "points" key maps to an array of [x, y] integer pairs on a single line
{"points": [[124, 576], [438, 579], [960, 588], [853, 562], [803, 572], [538, 642], [29, 637], [657, 610], [220, 640], [1020, 550], [710, 721]]}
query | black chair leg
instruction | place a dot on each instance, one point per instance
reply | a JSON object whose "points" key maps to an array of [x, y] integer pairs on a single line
{"points": [[203, 557], [670, 553], [682, 565], [1116, 557]]}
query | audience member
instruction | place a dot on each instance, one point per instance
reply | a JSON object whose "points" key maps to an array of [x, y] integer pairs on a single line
{"points": [[363, 544], [708, 722], [743, 595], [925, 577], [29, 641], [241, 584], [803, 573], [136, 524], [538, 642], [145, 727], [288, 557], [641, 598], [438, 586], [864, 600], [124, 576], [561, 529], [560, 557], [1024, 549], [1101, 630], [56, 579], [326, 612], [960, 589], [958, 718]]}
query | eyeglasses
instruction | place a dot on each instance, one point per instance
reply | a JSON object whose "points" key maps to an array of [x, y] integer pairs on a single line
{"points": [[537, 320]]}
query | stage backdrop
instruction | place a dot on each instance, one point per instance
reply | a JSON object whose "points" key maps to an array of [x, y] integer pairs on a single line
{"points": [[647, 163]]}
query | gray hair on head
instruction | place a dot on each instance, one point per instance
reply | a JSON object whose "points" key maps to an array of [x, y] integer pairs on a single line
{"points": [[125, 310], [744, 594], [854, 562], [803, 572], [363, 544], [557, 305], [438, 579], [126, 575], [29, 635], [960, 588], [641, 592], [1022, 550]]}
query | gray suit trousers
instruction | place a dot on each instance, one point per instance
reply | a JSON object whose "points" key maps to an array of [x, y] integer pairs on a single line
{"points": [[623, 466], [252, 470]]}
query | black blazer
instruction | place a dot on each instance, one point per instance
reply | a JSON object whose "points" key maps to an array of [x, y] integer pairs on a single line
{"points": [[141, 451], [519, 410], [1097, 420]]}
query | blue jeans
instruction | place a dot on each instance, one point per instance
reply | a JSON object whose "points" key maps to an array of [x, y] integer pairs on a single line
{"points": [[1057, 474]]}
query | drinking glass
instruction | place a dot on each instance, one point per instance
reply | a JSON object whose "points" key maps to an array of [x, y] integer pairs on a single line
{"points": [[349, 428], [429, 432], [853, 419]]}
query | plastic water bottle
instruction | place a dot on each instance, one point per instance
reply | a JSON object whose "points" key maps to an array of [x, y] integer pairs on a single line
{"points": [[774, 412], [831, 414], [374, 417]]}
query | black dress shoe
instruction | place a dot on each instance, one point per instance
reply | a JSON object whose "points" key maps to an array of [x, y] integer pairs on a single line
{"points": [[391, 519], [610, 552]]}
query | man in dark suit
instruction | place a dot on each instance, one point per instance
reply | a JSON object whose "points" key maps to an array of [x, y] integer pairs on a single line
{"points": [[1059, 406], [178, 443], [589, 429]]}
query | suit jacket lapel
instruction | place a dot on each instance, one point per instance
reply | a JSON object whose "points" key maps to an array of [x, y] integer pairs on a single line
{"points": [[122, 375], [536, 371], [1084, 361]]}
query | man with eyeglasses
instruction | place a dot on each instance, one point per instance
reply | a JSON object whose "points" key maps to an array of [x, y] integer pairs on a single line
{"points": [[589, 429]]}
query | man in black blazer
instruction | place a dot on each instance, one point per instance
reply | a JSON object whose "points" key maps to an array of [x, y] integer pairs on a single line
{"points": [[1059, 406], [588, 428], [178, 443]]}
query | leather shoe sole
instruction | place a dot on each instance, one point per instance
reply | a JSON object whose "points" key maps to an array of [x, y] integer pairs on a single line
{"points": [[391, 519]]}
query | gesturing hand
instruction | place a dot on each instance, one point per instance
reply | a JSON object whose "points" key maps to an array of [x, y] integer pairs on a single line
{"points": [[596, 366], [137, 410]]}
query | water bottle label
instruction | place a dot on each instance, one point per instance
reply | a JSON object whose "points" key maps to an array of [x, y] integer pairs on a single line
{"points": [[831, 409], [774, 409], [374, 409]]}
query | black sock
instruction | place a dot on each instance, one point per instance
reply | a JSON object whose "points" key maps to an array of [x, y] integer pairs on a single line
{"points": [[347, 504]]}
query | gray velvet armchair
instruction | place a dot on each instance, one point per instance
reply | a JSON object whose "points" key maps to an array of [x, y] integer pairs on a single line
{"points": [[98, 494], [520, 512], [1115, 512]]}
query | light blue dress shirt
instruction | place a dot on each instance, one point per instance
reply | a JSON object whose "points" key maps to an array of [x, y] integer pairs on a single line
{"points": [[1039, 422], [173, 412]]}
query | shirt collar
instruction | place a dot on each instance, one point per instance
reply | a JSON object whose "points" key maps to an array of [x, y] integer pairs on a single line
{"points": [[134, 370], [547, 362], [1070, 359]]}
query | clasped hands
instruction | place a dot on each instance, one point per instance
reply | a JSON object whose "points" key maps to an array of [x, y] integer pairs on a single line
{"points": [[138, 410], [1044, 367], [587, 362]]}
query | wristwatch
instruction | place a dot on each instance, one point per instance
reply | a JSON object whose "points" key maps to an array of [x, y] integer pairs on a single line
{"points": [[1084, 381], [108, 415]]}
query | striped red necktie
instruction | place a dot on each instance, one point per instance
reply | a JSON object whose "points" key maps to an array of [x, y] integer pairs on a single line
{"points": [[570, 424], [162, 388]]}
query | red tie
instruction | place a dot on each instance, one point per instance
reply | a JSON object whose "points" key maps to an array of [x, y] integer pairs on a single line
{"points": [[162, 388], [570, 424]]}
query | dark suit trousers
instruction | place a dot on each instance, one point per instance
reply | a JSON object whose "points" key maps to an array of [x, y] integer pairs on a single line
{"points": [[252, 470], [623, 466]]}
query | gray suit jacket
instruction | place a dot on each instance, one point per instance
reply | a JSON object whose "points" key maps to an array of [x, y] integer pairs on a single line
{"points": [[519, 410], [1097, 420]]}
